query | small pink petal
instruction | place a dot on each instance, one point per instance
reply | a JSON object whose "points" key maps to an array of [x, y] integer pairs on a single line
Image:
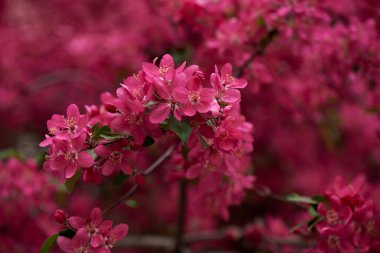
{"points": [[76, 222], [96, 216], [73, 111], [107, 169], [160, 113], [119, 231], [64, 244], [70, 170], [85, 159], [102, 150]]}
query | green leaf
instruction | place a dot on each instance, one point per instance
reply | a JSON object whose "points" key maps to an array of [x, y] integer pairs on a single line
{"points": [[203, 141], [118, 179], [131, 203], [300, 199], [319, 198], [95, 127], [299, 225], [70, 183], [49, 243], [148, 141], [67, 233], [312, 211], [181, 129], [9, 152], [313, 222], [111, 136]]}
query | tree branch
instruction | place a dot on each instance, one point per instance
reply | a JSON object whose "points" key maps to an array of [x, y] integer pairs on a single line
{"points": [[259, 51], [146, 172], [182, 199]]}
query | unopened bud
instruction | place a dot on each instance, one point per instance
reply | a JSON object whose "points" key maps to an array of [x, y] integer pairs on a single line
{"points": [[60, 216]]}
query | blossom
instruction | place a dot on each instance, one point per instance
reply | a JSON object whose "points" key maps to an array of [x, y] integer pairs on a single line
{"points": [[94, 226], [77, 244], [116, 159], [66, 156], [194, 97]]}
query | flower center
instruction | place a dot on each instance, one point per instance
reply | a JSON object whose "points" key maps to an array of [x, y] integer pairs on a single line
{"points": [[53, 130], [91, 228], [115, 157], [194, 97], [164, 69], [111, 241], [70, 156], [71, 122], [333, 242], [228, 79], [80, 250], [332, 217], [370, 227]]}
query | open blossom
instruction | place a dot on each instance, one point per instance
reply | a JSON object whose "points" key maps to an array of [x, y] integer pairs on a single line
{"points": [[231, 133], [78, 244], [194, 97], [69, 127], [93, 234], [67, 156], [349, 223], [94, 225], [114, 235], [116, 159]]}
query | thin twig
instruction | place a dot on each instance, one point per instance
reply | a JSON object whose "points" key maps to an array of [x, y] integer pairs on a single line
{"points": [[259, 51], [146, 172]]}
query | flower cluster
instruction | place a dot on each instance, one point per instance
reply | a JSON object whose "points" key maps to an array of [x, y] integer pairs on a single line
{"points": [[161, 100], [349, 223], [92, 234], [26, 199]]}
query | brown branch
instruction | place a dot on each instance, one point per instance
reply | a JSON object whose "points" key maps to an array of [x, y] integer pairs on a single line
{"points": [[146, 172], [182, 199], [168, 244]]}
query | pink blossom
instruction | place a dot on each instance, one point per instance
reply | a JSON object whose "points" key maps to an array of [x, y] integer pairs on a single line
{"points": [[194, 97], [66, 156], [115, 159], [77, 244]]}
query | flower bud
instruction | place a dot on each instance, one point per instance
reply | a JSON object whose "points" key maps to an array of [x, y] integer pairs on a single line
{"points": [[60, 216], [140, 180]]}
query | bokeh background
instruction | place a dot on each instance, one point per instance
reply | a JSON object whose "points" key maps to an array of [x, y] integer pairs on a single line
{"points": [[313, 95]]}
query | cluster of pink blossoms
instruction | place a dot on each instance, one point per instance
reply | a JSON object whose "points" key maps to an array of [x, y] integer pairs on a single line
{"points": [[348, 220], [92, 235], [26, 201], [161, 101]]}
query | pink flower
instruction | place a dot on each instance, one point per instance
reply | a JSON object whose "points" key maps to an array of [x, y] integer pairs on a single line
{"points": [[336, 215], [66, 156], [165, 69], [166, 103], [231, 133], [76, 245], [195, 98], [94, 226], [116, 159], [226, 85], [336, 241], [70, 127], [115, 235]]}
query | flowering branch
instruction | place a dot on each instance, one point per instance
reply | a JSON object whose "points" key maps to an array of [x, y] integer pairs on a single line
{"points": [[146, 172]]}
